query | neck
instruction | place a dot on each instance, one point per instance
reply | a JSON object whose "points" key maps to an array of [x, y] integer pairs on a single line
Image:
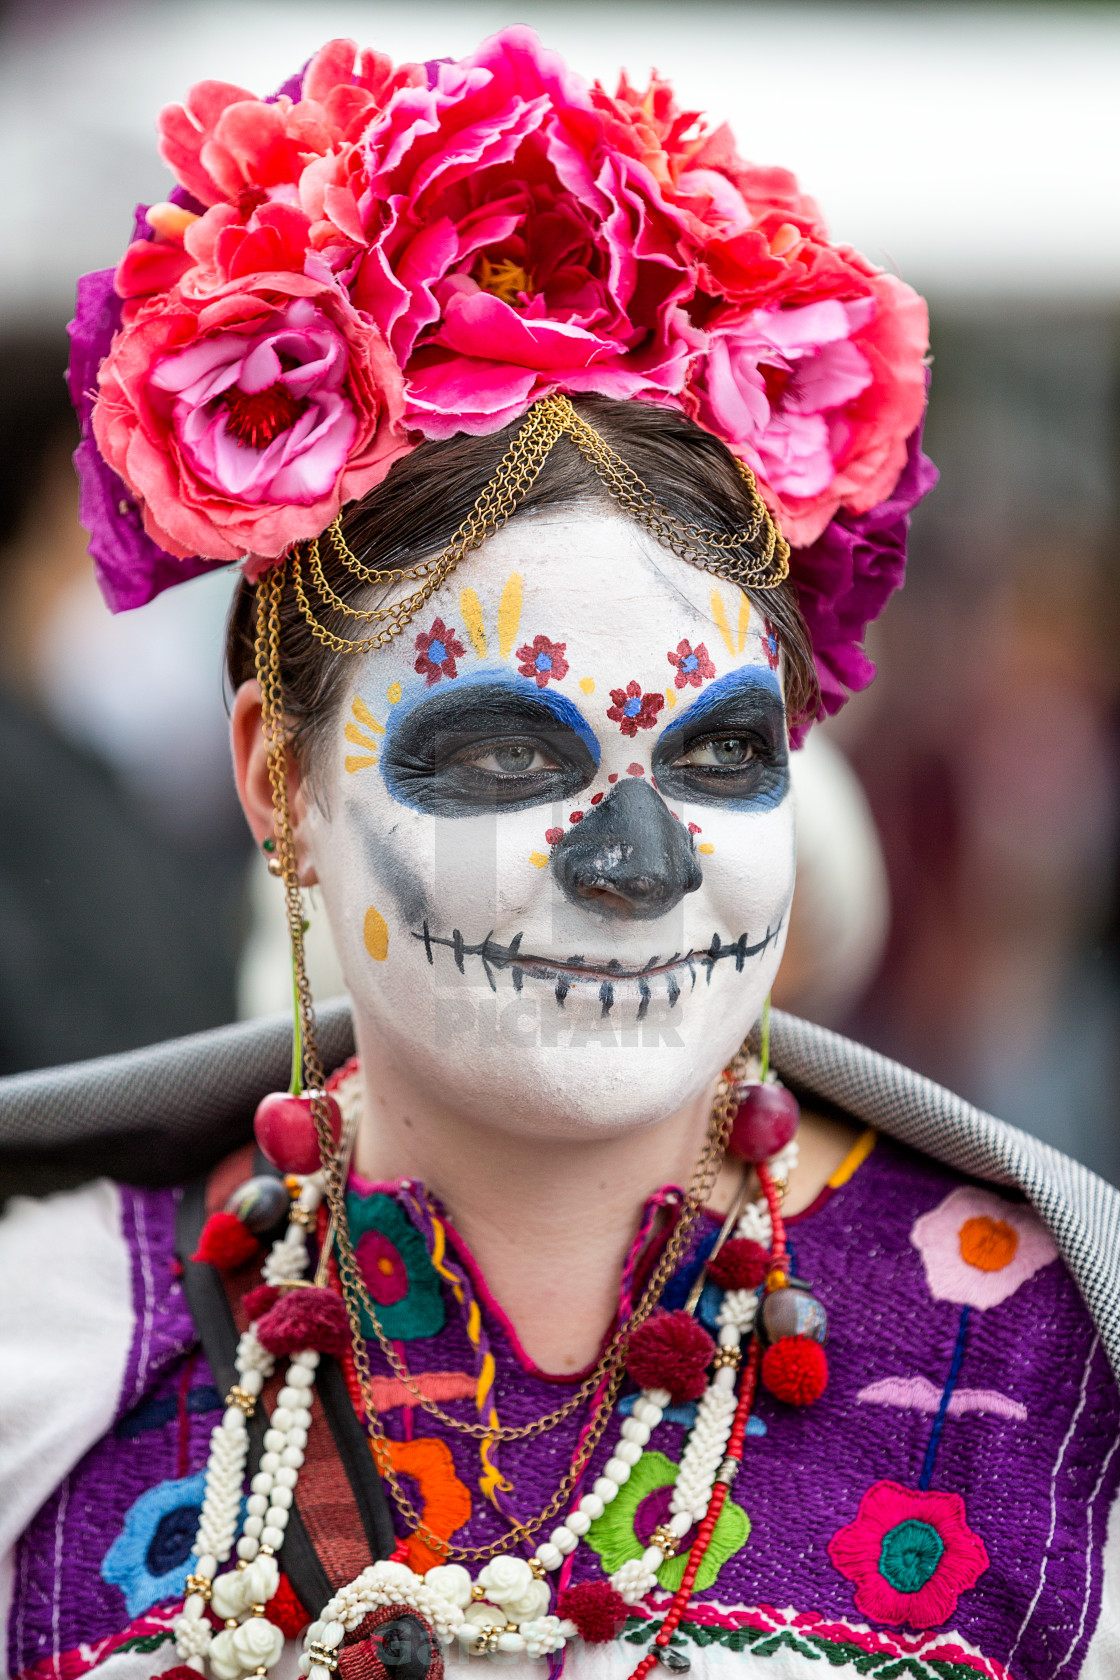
{"points": [[549, 1221]]}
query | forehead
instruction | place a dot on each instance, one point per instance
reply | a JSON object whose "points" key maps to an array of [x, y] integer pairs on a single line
{"points": [[593, 579]]}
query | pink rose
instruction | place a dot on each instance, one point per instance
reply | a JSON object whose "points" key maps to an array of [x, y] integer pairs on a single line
{"points": [[242, 420], [818, 399], [513, 251]]}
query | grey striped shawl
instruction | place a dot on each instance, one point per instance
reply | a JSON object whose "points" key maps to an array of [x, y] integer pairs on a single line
{"points": [[162, 1114]]}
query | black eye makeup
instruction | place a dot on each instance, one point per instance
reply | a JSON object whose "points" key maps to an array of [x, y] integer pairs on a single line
{"points": [[729, 747], [488, 746]]}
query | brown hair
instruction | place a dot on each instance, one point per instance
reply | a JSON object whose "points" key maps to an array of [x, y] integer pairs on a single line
{"points": [[417, 509]]}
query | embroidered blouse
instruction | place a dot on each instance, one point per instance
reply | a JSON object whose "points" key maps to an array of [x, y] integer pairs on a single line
{"points": [[947, 1510]]}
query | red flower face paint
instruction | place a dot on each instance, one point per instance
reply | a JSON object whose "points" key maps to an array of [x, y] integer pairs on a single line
{"points": [[543, 661], [437, 650], [692, 664], [633, 710]]}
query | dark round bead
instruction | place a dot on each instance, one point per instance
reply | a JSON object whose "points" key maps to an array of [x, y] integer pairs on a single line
{"points": [[793, 1312], [259, 1203], [765, 1120]]}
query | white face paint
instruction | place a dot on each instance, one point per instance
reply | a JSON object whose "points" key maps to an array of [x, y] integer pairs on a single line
{"points": [[556, 844]]}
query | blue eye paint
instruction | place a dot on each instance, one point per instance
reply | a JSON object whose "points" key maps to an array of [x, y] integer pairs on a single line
{"points": [[745, 704], [427, 761]]}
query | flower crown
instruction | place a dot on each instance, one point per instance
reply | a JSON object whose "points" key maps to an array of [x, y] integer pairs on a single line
{"points": [[381, 255]]}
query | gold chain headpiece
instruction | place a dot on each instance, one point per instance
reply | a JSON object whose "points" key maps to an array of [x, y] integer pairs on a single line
{"points": [[756, 556]]}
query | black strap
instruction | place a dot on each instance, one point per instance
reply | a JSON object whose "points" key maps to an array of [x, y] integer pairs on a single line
{"points": [[217, 1331]]}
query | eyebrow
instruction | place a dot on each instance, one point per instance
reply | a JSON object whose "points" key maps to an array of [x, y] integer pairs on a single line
{"points": [[491, 697], [748, 682]]}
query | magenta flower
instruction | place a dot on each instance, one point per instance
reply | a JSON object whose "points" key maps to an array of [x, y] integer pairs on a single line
{"points": [[437, 650], [692, 664], [382, 1268], [514, 251], [242, 421], [910, 1555], [977, 1248], [633, 710], [543, 661]]}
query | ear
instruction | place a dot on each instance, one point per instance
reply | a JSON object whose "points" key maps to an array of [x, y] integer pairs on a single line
{"points": [[254, 789]]}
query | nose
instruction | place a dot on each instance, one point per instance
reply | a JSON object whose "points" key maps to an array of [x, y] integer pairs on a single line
{"points": [[628, 857]]}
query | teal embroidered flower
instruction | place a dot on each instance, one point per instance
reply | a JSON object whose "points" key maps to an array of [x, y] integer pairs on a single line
{"points": [[395, 1265], [150, 1558], [624, 1529]]}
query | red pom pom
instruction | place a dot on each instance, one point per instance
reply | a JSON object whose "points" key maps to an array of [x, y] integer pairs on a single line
{"points": [[225, 1242], [257, 1301], [285, 1611], [741, 1263], [302, 1319], [795, 1370], [670, 1350], [596, 1608], [181, 1671]]}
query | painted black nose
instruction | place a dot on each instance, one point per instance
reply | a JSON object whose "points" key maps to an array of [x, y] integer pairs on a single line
{"points": [[629, 856]]}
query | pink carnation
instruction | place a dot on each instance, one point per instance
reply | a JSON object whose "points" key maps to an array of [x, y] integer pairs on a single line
{"points": [[514, 252], [819, 399], [243, 420]]}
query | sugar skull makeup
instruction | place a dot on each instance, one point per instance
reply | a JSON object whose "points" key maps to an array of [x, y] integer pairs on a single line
{"points": [[554, 834]]}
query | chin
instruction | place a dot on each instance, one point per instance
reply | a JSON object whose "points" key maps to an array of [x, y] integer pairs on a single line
{"points": [[518, 1061]]}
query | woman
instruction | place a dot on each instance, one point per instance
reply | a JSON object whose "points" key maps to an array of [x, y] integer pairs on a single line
{"points": [[567, 460]]}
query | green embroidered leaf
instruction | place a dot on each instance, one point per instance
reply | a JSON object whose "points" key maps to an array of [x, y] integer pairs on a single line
{"points": [[144, 1642]]}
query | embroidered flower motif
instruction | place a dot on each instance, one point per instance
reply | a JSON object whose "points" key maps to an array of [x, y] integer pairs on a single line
{"points": [[397, 1270], [910, 1555], [150, 1558], [978, 1249], [543, 660], [623, 1531], [437, 650], [770, 645], [633, 710], [445, 1501], [692, 664]]}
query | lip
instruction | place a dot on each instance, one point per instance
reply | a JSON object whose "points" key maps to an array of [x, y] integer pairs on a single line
{"points": [[576, 969]]}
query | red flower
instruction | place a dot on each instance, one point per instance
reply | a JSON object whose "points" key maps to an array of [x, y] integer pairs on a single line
{"points": [[436, 652], [633, 710], [543, 660], [770, 645], [692, 664], [910, 1554]]}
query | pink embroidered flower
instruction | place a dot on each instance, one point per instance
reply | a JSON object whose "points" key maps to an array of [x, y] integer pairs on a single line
{"points": [[910, 1555], [516, 252], [437, 650], [543, 661], [381, 1265], [818, 399], [692, 664], [633, 710], [243, 421], [978, 1249]]}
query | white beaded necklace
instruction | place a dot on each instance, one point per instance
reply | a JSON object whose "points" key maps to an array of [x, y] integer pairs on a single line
{"points": [[504, 1611]]}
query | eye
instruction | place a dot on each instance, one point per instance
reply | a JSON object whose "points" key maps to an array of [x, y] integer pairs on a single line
{"points": [[726, 752], [509, 758]]}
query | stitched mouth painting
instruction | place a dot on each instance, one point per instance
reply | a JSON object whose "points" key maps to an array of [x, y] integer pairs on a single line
{"points": [[557, 827]]}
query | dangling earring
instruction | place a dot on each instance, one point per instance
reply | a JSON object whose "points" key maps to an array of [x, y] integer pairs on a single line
{"points": [[272, 862]]}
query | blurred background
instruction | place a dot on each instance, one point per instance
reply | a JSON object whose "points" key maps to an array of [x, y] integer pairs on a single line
{"points": [[959, 906]]}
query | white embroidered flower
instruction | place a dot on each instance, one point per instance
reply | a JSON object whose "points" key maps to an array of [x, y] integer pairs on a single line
{"points": [[530, 1605], [257, 1643], [505, 1579], [543, 1636], [452, 1582]]}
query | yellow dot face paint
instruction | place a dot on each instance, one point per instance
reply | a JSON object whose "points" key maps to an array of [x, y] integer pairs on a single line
{"points": [[705, 846], [362, 734], [587, 684], [670, 697], [471, 610], [509, 614], [393, 693], [538, 859], [375, 933]]}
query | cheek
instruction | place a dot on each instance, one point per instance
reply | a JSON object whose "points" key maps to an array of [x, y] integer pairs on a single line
{"points": [[749, 861]]}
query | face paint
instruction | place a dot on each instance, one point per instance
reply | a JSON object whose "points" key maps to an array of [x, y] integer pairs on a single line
{"points": [[579, 892]]}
